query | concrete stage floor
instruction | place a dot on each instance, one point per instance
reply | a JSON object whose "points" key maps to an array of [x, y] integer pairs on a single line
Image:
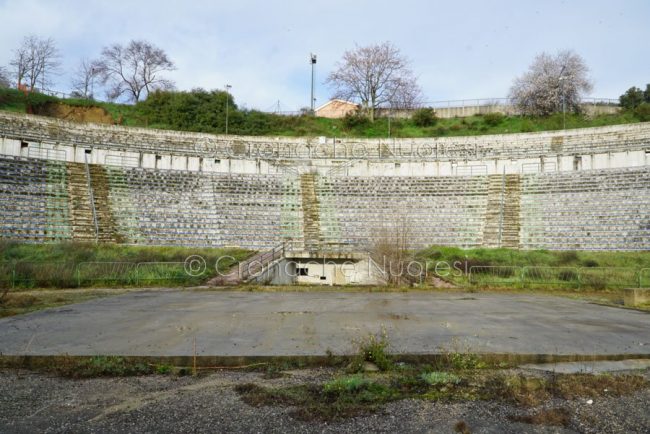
{"points": [[165, 323]]}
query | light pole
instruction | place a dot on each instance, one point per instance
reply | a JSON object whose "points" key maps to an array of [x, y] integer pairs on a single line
{"points": [[562, 78], [228, 87], [312, 60]]}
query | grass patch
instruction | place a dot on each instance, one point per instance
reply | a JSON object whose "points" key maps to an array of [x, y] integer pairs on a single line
{"points": [[360, 394], [546, 269], [101, 366], [202, 111], [456, 377], [106, 366], [335, 400], [18, 303], [532, 391], [57, 265]]}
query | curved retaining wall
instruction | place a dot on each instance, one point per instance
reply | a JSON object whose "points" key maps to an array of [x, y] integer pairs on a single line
{"points": [[47, 200]]}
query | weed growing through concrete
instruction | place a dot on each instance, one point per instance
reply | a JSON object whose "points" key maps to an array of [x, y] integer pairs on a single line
{"points": [[104, 366], [373, 349]]}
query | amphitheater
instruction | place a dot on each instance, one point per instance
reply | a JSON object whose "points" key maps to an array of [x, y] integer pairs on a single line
{"points": [[586, 189]]}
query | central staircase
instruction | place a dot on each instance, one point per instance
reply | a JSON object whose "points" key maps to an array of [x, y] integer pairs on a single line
{"points": [[251, 268], [310, 212], [502, 218]]}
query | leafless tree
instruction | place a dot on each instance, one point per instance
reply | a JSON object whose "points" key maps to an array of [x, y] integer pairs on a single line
{"points": [[4, 77], [83, 79], [551, 81], [35, 61], [133, 70], [376, 75], [392, 248]]}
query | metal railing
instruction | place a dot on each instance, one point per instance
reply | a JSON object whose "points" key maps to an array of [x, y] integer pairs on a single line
{"points": [[106, 272], [255, 265], [47, 153], [121, 160], [644, 278], [579, 277]]}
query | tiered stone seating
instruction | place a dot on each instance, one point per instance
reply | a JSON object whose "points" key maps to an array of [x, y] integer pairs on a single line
{"points": [[190, 208], [526, 145], [33, 200], [46, 200], [604, 209], [356, 211]]}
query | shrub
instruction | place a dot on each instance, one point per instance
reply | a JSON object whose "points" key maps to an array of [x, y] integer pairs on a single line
{"points": [[355, 119], [590, 263], [642, 112], [424, 117], [493, 119], [632, 98]]}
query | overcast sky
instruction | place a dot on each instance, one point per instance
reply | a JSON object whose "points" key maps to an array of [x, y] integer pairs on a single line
{"points": [[458, 49]]}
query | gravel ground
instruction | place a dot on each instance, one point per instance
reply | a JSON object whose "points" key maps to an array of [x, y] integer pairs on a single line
{"points": [[32, 402]]}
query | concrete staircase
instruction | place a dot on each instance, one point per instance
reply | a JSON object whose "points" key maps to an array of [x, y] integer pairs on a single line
{"points": [[99, 182], [310, 212], [80, 191], [502, 217], [251, 269], [81, 212]]}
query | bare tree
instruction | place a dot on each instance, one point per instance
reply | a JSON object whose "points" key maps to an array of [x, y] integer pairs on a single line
{"points": [[392, 249], [376, 75], [133, 70], [4, 77], [84, 78], [35, 61], [550, 83]]}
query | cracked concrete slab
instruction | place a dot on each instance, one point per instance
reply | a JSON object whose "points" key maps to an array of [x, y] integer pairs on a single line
{"points": [[232, 323]]}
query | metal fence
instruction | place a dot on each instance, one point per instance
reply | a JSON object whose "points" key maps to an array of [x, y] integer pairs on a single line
{"points": [[25, 274], [43, 274], [106, 273], [577, 277], [6, 275], [556, 276], [156, 272], [490, 275], [644, 278]]}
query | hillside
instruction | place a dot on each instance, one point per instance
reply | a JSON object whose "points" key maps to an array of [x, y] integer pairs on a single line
{"points": [[202, 111]]}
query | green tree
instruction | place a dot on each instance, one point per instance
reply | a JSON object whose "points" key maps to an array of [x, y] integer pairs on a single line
{"points": [[633, 97]]}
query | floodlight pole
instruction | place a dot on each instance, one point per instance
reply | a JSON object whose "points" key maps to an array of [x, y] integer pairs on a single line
{"points": [[312, 60], [228, 87]]}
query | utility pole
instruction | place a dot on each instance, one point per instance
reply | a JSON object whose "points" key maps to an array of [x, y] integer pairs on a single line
{"points": [[312, 59], [228, 87]]}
